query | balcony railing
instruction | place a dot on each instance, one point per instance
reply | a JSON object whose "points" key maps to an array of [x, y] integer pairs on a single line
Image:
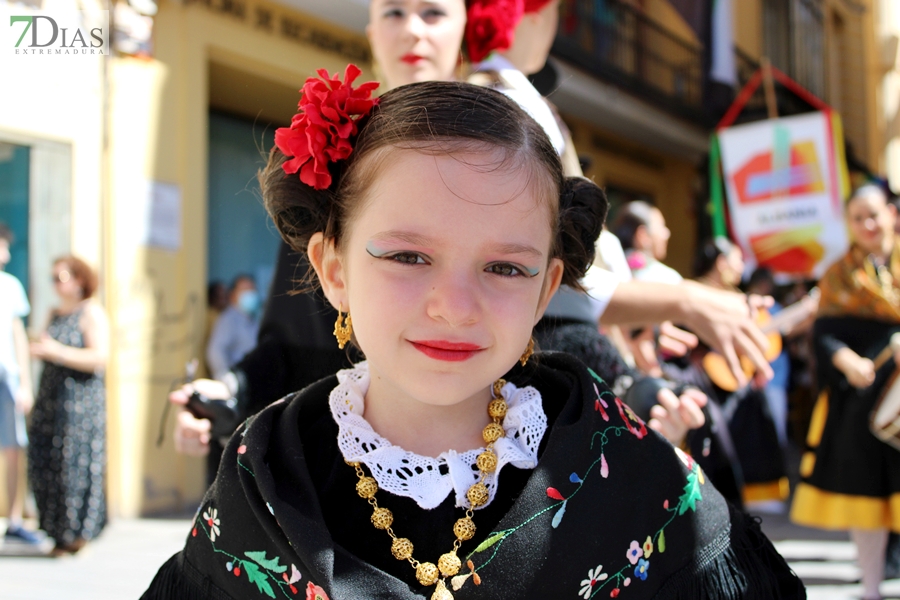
{"points": [[756, 108], [618, 43]]}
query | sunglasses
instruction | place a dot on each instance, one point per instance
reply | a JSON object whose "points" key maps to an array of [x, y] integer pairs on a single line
{"points": [[61, 277]]}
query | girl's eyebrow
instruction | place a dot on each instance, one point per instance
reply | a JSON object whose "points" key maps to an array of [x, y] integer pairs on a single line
{"points": [[517, 249], [421, 240], [403, 236]]}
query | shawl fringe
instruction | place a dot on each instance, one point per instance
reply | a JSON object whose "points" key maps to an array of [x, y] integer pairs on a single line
{"points": [[178, 578], [740, 564]]}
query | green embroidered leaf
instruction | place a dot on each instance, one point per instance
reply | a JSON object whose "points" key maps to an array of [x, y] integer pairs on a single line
{"points": [[259, 578], [688, 500], [595, 376], [661, 542], [270, 564], [489, 542]]}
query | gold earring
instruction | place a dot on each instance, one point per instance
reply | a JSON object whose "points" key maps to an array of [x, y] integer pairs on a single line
{"points": [[529, 350], [343, 328]]}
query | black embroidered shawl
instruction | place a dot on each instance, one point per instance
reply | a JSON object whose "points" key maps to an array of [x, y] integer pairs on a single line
{"points": [[611, 510]]}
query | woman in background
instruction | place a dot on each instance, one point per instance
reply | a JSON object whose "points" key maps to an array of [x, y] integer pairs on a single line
{"points": [[851, 479], [67, 455]]}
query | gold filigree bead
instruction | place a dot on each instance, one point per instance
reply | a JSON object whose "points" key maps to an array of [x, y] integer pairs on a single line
{"points": [[366, 487], [449, 564], [441, 592], [427, 573], [382, 518], [464, 529], [487, 461], [477, 494], [492, 432], [498, 385], [401, 548], [497, 409]]}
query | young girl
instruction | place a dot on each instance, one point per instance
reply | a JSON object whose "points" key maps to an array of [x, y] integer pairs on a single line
{"points": [[440, 224]]}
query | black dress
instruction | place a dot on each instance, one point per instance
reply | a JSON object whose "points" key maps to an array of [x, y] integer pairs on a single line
{"points": [[850, 478], [610, 510], [67, 451]]}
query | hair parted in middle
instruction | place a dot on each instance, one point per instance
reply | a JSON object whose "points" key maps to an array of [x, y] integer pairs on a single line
{"points": [[440, 118]]}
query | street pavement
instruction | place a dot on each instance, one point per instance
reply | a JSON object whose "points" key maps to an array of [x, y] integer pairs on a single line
{"points": [[120, 564]]}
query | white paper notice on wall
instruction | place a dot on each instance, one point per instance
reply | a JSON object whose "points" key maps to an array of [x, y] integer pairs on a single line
{"points": [[161, 212]]}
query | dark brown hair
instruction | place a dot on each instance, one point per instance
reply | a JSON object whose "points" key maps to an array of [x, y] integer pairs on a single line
{"points": [[6, 233], [440, 118], [82, 272], [629, 218]]}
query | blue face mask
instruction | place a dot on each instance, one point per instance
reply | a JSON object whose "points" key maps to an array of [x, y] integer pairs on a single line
{"points": [[249, 302]]}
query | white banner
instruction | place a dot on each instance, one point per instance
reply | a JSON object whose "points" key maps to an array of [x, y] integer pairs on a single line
{"points": [[784, 184]]}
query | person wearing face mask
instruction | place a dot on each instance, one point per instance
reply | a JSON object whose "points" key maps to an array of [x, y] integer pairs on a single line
{"points": [[234, 334]]}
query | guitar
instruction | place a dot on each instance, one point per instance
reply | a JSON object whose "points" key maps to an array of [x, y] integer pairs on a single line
{"points": [[716, 366]]}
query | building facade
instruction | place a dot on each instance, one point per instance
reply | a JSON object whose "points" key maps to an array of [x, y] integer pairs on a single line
{"points": [[143, 162]]}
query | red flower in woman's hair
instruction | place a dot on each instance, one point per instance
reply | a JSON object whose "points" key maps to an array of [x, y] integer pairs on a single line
{"points": [[320, 133], [533, 6], [491, 25]]}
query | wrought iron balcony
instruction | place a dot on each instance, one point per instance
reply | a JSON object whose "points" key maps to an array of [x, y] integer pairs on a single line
{"points": [[619, 44], [756, 108]]}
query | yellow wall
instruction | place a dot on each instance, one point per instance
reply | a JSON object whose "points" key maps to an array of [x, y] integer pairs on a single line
{"points": [[667, 180], [157, 297], [748, 30]]}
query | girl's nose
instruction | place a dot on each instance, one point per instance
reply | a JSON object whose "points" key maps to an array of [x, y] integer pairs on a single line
{"points": [[453, 299]]}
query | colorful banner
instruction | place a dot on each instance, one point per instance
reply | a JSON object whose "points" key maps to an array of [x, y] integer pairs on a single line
{"points": [[785, 183]]}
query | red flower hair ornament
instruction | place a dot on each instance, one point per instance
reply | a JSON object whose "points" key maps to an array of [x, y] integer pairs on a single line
{"points": [[491, 24], [321, 131]]}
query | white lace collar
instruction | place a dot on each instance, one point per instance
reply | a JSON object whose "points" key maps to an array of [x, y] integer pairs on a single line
{"points": [[420, 477]]}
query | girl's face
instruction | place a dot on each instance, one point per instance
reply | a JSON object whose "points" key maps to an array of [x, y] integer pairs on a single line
{"points": [[445, 269], [871, 219], [416, 40]]}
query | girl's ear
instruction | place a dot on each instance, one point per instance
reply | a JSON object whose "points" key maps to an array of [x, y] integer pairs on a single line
{"points": [[326, 261], [551, 285]]}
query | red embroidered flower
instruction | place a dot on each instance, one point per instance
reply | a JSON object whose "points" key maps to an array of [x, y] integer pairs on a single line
{"points": [[634, 424], [320, 132], [491, 25], [314, 592]]}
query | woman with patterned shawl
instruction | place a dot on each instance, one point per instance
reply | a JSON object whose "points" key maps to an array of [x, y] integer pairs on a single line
{"points": [[851, 479]]}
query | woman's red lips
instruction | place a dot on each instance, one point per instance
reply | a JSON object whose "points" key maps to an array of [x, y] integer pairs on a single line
{"points": [[411, 59], [443, 350]]}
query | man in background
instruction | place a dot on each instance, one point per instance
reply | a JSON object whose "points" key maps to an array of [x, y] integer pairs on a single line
{"points": [[16, 396]]}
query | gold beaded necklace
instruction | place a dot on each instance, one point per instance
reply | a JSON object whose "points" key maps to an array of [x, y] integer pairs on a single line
{"points": [[448, 564]]}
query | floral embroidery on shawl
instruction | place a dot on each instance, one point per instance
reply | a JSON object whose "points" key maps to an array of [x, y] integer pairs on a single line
{"points": [[268, 574], [636, 558]]}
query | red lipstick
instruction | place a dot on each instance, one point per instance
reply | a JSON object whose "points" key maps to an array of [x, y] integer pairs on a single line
{"points": [[449, 351], [411, 59]]}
